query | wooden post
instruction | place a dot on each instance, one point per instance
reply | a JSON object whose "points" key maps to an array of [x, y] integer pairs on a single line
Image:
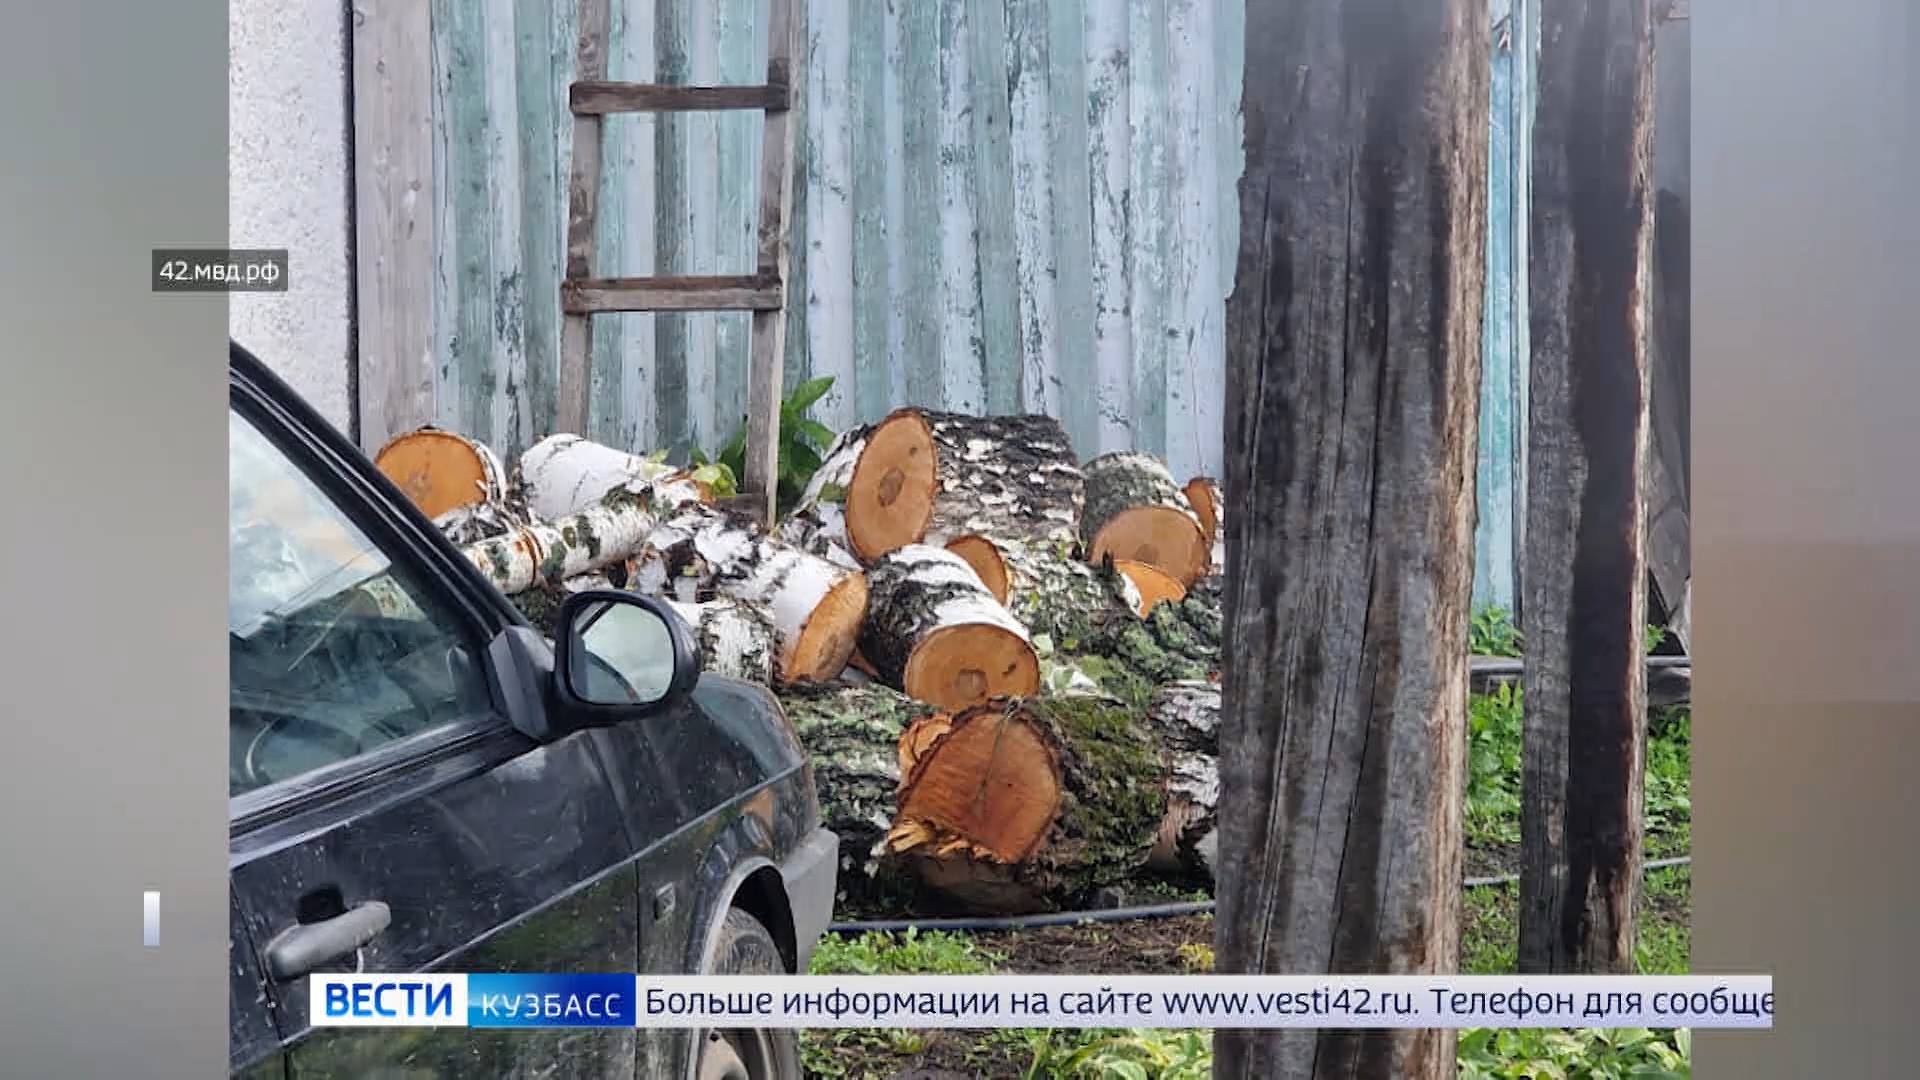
{"points": [[1584, 575], [1353, 373], [767, 352], [393, 217], [583, 204]]}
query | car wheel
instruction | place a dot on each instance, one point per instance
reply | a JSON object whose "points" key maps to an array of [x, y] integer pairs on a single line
{"points": [[746, 948]]}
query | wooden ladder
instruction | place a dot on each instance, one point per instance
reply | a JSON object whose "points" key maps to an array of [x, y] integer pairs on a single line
{"points": [[763, 292]]}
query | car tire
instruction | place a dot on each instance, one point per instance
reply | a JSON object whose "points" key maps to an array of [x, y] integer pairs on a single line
{"points": [[746, 948]]}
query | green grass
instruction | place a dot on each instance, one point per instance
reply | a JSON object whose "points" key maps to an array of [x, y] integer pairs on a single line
{"points": [[934, 952]]}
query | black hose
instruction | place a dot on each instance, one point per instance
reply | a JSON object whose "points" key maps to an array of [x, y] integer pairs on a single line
{"points": [[1113, 915]]}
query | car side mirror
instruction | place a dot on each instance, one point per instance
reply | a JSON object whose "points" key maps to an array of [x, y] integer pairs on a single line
{"points": [[620, 655]]}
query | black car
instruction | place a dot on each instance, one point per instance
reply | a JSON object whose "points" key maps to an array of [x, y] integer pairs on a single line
{"points": [[421, 781]]}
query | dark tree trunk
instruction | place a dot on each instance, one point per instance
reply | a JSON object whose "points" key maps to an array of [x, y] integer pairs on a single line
{"points": [[1353, 368], [1584, 577]]}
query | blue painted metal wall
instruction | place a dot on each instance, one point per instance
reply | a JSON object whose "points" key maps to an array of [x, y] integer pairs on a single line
{"points": [[1503, 395], [1001, 205]]}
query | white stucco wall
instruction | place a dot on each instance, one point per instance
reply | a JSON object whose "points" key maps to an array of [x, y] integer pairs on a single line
{"points": [[287, 141]]}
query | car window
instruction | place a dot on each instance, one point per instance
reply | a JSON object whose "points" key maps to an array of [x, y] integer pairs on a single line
{"points": [[334, 650]]}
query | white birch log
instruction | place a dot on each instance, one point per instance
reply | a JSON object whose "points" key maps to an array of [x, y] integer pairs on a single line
{"points": [[735, 637], [817, 607], [440, 471], [1185, 716], [936, 633], [1135, 511], [599, 536], [564, 474]]}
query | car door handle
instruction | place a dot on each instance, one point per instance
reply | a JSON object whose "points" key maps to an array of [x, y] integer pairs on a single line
{"points": [[300, 950]]}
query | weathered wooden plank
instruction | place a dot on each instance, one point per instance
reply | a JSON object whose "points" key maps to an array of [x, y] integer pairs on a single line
{"points": [[602, 98], [575, 391], [829, 211], [1148, 204], [917, 288], [1071, 181], [867, 99], [893, 119], [541, 190], [470, 193], [1195, 294], [703, 204], [1353, 354], [506, 277], [624, 345], [742, 58], [772, 253], [1030, 138], [1110, 155], [961, 356], [691, 292], [393, 145], [993, 197], [1583, 580], [673, 224]]}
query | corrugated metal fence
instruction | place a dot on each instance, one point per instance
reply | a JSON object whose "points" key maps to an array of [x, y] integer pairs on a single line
{"points": [[1002, 205]]}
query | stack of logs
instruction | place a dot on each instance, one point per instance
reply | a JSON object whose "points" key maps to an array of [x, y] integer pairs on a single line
{"points": [[1003, 665]]}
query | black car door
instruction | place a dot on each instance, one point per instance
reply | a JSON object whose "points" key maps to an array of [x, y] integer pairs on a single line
{"points": [[370, 765]]}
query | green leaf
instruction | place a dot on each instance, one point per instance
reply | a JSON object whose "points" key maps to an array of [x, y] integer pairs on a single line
{"points": [[821, 434], [809, 392]]}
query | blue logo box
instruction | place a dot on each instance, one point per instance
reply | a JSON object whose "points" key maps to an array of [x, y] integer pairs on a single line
{"points": [[548, 1001]]}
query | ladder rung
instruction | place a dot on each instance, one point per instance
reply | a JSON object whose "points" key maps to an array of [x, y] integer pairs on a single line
{"points": [[600, 98], [736, 292]]}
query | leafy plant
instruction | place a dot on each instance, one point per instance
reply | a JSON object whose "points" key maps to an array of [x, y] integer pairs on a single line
{"points": [[802, 441], [1492, 632], [1145, 1054], [1578, 1054], [1493, 766]]}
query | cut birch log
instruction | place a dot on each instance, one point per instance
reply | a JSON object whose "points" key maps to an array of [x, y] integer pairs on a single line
{"points": [[816, 606], [607, 533], [1134, 511], [901, 473], [1018, 806], [1065, 599], [476, 522], [1185, 718], [1203, 494], [439, 471], [819, 529], [564, 474], [735, 637], [1150, 583], [934, 632], [854, 736], [934, 477]]}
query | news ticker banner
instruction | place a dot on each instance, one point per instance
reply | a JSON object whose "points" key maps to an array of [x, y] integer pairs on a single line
{"points": [[1026, 1001]]}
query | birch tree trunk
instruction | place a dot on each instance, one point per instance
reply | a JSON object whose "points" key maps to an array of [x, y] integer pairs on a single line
{"points": [[1353, 360], [1584, 576]]}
